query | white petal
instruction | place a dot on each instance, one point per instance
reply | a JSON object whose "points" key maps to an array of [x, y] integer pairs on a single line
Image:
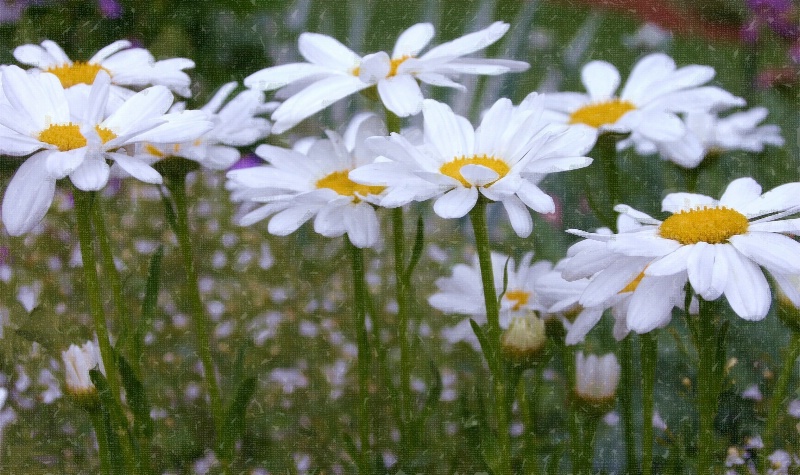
{"points": [[362, 225], [327, 52], [374, 67], [675, 202], [443, 130], [287, 221], [91, 175], [28, 196], [519, 216], [740, 192], [670, 264], [611, 281], [276, 77], [657, 126], [583, 324], [137, 168], [535, 198], [436, 79], [413, 40], [107, 51], [469, 43], [144, 106], [313, 99], [776, 252], [747, 290], [780, 198], [652, 302], [642, 243], [478, 175], [644, 74], [601, 79], [700, 267], [401, 95], [61, 164], [456, 203]]}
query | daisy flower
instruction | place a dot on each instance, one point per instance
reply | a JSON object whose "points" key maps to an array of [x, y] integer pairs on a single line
{"points": [[76, 139], [502, 159], [333, 71], [311, 182], [127, 66], [715, 245], [596, 378], [707, 134], [462, 293], [648, 103], [236, 124]]}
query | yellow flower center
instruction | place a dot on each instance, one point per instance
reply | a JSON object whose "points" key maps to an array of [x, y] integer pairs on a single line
{"points": [[519, 297], [394, 64], [68, 136], [453, 167], [78, 72], [597, 114], [340, 183], [711, 225]]}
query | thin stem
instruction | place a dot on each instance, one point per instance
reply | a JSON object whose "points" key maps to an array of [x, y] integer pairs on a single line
{"points": [[706, 384], [177, 188], [590, 422], [84, 201], [778, 400], [626, 402], [101, 432], [649, 358], [492, 355], [110, 272], [402, 284], [528, 399], [364, 356]]}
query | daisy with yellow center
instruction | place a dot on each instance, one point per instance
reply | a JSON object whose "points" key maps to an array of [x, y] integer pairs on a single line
{"points": [[338, 72], [718, 246], [462, 293], [129, 68], [646, 106], [502, 160], [311, 181], [77, 139]]}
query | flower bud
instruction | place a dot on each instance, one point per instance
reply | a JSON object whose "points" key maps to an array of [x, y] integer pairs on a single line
{"points": [[596, 380], [78, 360], [524, 338]]}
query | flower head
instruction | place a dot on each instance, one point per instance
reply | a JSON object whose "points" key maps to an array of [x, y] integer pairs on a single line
{"points": [[502, 160], [128, 67], [333, 71], [76, 139], [647, 105], [715, 245], [312, 182], [236, 124], [596, 378]]}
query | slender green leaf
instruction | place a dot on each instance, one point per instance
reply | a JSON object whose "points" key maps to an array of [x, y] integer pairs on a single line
{"points": [[234, 423], [416, 252], [137, 399]]}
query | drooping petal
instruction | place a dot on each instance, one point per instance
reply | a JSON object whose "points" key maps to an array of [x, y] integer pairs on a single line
{"points": [[401, 95], [747, 289], [456, 203], [28, 196]]}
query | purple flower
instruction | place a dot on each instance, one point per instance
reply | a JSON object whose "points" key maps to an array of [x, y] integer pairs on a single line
{"points": [[779, 15], [110, 8]]}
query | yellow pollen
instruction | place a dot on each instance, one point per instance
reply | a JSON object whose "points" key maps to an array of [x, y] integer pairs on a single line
{"points": [[519, 297], [597, 114], [68, 136], [711, 225], [453, 167], [154, 151], [394, 64], [633, 284], [78, 72], [340, 183]]}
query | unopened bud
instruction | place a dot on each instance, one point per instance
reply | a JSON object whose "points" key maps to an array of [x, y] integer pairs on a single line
{"points": [[596, 380], [78, 360], [524, 338]]}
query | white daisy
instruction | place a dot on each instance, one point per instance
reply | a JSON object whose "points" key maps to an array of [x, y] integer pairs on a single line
{"points": [[334, 71], [596, 378], [301, 184], [648, 103], [502, 159], [76, 139], [717, 245], [236, 124], [462, 293], [128, 67], [706, 134]]}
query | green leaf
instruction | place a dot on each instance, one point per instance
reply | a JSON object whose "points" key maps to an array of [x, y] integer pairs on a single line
{"points": [[234, 423], [169, 212], [137, 399], [486, 346], [150, 300], [110, 412], [505, 282]]}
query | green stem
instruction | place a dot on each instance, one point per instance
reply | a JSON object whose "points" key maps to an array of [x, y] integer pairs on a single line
{"points": [[649, 359], [589, 423], [492, 355], [778, 400], [84, 202], [402, 282], [706, 385], [626, 403], [528, 403], [177, 188], [100, 423], [111, 273], [364, 357]]}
